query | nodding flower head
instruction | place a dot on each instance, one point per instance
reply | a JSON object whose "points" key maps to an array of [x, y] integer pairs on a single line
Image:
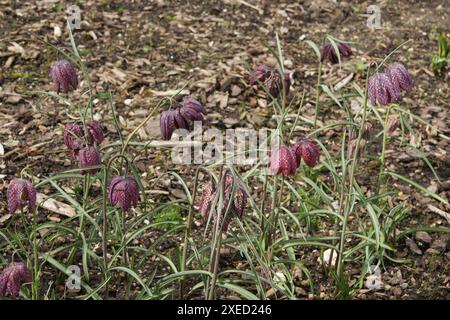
{"points": [[237, 205], [329, 53], [307, 150], [274, 83], [189, 110], [167, 124], [21, 193], [381, 89], [64, 76], [240, 196], [180, 121], [89, 157], [12, 277], [283, 161], [124, 192], [73, 137], [191, 103], [260, 74], [95, 132], [192, 110], [392, 125], [400, 77], [367, 130]]}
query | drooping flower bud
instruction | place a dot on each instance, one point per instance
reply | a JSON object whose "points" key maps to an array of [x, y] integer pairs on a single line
{"points": [[191, 103], [260, 74], [240, 196], [192, 110], [89, 157], [274, 84], [307, 150], [283, 161], [21, 193], [400, 77], [73, 137], [329, 53], [64, 76], [237, 206], [95, 132], [382, 90], [206, 200], [124, 192], [392, 125], [367, 130], [167, 124], [180, 121], [12, 277]]}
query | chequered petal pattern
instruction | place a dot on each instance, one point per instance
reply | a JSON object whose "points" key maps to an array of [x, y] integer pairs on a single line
{"points": [[123, 192], [238, 202], [283, 161], [21, 193], [95, 132], [89, 156], [189, 110], [12, 277], [382, 90], [400, 77], [64, 76], [73, 136], [307, 150]]}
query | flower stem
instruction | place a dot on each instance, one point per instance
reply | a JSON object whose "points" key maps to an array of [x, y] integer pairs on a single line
{"points": [[319, 75], [187, 232], [383, 152], [354, 162]]}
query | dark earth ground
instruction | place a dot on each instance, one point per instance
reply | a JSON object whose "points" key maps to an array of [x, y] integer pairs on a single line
{"points": [[146, 48]]}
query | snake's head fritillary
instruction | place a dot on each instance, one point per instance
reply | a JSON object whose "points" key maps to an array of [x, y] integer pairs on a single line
{"points": [[64, 76]]}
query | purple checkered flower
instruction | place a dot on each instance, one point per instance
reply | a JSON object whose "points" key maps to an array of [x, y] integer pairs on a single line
{"points": [[12, 277], [329, 53], [64, 76], [283, 161], [382, 90], [261, 73], [95, 132], [89, 157], [167, 124], [21, 193], [238, 204], [124, 192], [307, 150], [274, 84], [400, 77], [73, 137]]}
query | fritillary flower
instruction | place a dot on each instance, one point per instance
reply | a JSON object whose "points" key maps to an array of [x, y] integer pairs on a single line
{"points": [[73, 137], [12, 277], [237, 206], [88, 157], [20, 194], [274, 83], [329, 53], [400, 77], [260, 74], [64, 76], [283, 161], [307, 150], [167, 124], [382, 90], [124, 192], [95, 132]]}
